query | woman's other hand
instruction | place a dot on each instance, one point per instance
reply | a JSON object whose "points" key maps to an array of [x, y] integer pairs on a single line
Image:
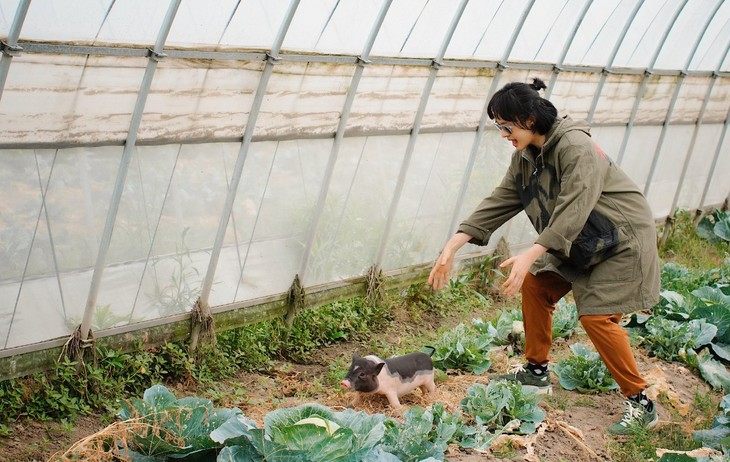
{"points": [[441, 271], [520, 266]]}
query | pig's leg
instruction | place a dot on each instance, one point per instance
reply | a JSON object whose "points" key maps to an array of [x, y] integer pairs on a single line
{"points": [[393, 399], [357, 400], [428, 387]]}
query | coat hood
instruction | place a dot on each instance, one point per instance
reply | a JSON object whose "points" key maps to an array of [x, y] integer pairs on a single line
{"points": [[532, 156], [561, 127]]}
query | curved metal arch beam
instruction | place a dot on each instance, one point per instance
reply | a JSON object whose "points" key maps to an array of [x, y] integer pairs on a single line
{"points": [[483, 121], [363, 60], [670, 109], [156, 53], [11, 48], [612, 58], [272, 59], [645, 82], [566, 47], [437, 62]]}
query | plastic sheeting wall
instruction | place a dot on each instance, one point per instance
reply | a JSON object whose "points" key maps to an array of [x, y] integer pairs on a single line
{"points": [[155, 152]]}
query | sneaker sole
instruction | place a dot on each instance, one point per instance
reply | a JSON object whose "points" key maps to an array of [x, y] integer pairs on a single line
{"points": [[648, 426], [548, 390]]}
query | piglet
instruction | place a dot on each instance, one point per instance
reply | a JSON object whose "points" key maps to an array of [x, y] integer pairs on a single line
{"points": [[393, 377]]}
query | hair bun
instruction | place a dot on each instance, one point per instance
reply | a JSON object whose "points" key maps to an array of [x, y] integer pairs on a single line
{"points": [[537, 84]]}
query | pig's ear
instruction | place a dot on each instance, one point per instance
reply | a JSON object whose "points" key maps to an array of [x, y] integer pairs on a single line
{"points": [[379, 367], [355, 355]]}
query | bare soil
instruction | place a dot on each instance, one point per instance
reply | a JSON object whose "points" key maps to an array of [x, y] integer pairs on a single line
{"points": [[574, 428]]}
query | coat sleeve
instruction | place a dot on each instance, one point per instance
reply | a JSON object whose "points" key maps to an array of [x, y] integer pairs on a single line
{"points": [[503, 204], [581, 171]]}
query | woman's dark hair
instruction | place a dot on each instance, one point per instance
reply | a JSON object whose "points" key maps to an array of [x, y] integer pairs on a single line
{"points": [[517, 102]]}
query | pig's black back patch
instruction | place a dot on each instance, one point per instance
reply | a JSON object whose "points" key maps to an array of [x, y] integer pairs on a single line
{"points": [[410, 365]]}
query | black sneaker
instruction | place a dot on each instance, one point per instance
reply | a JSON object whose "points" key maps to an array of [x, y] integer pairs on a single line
{"points": [[636, 416], [539, 382]]}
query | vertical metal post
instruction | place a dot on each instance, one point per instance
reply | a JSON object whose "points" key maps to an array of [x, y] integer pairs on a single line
{"points": [[612, 58], [156, 54], [437, 62], [670, 110], [722, 136], [714, 162], [11, 48], [645, 82], [483, 121], [363, 60], [690, 149], [8, 50], [271, 61], [566, 47]]}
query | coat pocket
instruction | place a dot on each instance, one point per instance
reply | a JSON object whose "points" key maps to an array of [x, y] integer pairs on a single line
{"points": [[598, 240]]}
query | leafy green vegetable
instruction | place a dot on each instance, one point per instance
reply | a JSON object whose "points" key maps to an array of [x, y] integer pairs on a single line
{"points": [[669, 339], [718, 437], [496, 405], [690, 319], [677, 278], [502, 332], [423, 435], [721, 350], [584, 371], [715, 227], [713, 305], [239, 454], [672, 305], [565, 319], [177, 427], [672, 457], [714, 372], [464, 349], [314, 433]]}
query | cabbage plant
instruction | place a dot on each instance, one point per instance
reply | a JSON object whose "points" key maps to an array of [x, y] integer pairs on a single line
{"points": [[584, 372], [424, 434], [715, 227], [670, 340], [314, 433], [565, 319], [718, 437], [162, 426], [498, 405], [463, 349]]}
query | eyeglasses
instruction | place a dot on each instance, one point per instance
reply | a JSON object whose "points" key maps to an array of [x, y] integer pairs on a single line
{"points": [[500, 127]]}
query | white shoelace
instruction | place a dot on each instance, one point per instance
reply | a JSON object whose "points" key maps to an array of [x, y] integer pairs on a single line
{"points": [[632, 413], [516, 369]]}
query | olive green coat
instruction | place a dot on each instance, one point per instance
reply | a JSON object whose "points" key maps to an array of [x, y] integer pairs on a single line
{"points": [[593, 219]]}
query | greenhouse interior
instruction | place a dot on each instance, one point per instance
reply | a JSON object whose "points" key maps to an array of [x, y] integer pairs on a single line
{"points": [[174, 160]]}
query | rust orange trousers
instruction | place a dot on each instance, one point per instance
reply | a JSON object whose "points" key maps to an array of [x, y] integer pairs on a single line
{"points": [[539, 295]]}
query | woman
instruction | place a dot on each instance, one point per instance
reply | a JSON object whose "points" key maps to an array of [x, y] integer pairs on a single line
{"points": [[596, 237]]}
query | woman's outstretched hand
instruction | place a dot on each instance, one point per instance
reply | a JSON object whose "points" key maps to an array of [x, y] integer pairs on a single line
{"points": [[520, 266], [441, 271]]}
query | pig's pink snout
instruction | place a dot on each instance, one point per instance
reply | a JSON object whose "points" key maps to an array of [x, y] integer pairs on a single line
{"points": [[346, 384]]}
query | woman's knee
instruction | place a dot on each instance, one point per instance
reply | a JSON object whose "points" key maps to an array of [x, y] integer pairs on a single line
{"points": [[547, 287], [600, 320]]}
